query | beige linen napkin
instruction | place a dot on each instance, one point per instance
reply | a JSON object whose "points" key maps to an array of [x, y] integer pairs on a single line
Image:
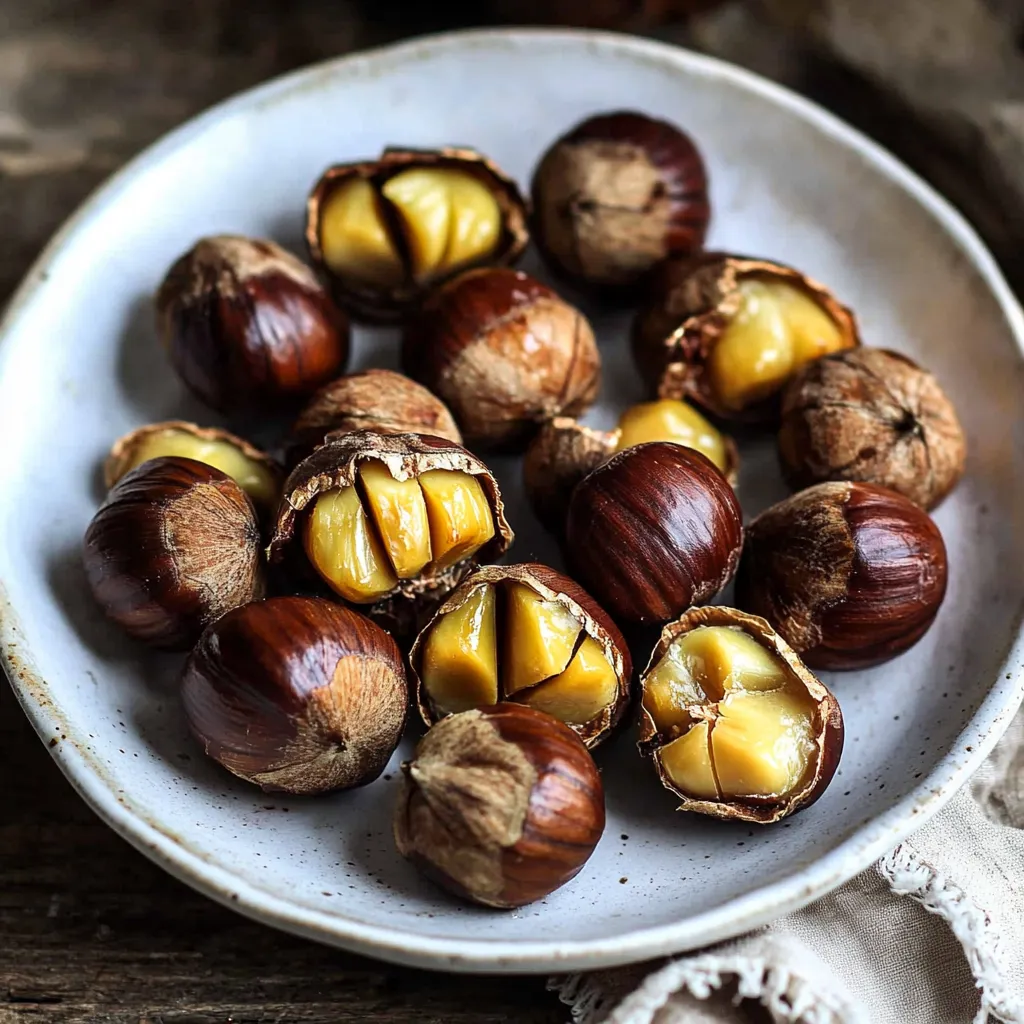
{"points": [[932, 934]]}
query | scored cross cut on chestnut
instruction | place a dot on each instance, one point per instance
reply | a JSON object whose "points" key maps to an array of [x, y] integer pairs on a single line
{"points": [[529, 635], [737, 726]]}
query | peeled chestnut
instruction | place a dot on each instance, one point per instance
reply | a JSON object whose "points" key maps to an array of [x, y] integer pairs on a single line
{"points": [[564, 451], [379, 400], [737, 726], [616, 196], [874, 416], [297, 694], [175, 546], [849, 574], [529, 635], [248, 327], [254, 471], [500, 805], [654, 530], [505, 353], [386, 520], [728, 332], [384, 232]]}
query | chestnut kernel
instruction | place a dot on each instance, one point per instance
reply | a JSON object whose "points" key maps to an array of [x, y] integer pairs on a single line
{"points": [[729, 331], [874, 416], [248, 327], [297, 694], [384, 232], [175, 546], [529, 635], [849, 574], [505, 353], [380, 400], [654, 530], [254, 471], [500, 805], [737, 726], [617, 195]]}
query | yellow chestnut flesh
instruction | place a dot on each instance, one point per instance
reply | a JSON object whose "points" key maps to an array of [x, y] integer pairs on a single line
{"points": [[400, 514], [586, 687], [459, 514], [460, 657], [355, 239], [776, 331], [539, 640], [669, 419], [255, 479], [687, 760]]}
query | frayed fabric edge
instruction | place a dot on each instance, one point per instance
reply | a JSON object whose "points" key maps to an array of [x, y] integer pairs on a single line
{"points": [[909, 874]]}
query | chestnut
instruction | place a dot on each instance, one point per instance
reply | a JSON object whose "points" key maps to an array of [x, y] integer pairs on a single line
{"points": [[297, 694], [390, 522], [564, 451], [738, 728], [175, 546], [849, 574], [380, 400], [500, 805], [875, 416], [654, 530], [529, 635], [505, 353], [384, 232], [248, 327], [617, 195], [254, 471], [729, 331]]}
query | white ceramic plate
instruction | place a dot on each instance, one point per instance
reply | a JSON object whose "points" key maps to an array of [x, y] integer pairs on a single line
{"points": [[79, 365]]}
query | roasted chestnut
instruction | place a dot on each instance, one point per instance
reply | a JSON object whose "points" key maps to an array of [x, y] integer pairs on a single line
{"points": [[500, 805], [654, 530], [737, 726], [849, 574], [384, 232], [529, 635], [175, 546], [729, 331], [297, 694], [617, 195], [874, 416], [248, 327], [379, 400], [505, 353], [387, 519], [254, 471], [564, 451]]}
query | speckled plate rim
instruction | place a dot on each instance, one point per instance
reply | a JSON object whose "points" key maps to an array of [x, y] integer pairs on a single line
{"points": [[856, 851]]}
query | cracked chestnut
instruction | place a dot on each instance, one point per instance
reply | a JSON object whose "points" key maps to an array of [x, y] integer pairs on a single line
{"points": [[654, 530], [500, 805], [248, 327], [849, 574], [617, 195], [737, 726], [873, 416], [175, 546], [297, 694]]}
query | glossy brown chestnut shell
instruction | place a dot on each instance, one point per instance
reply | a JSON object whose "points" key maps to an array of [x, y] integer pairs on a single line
{"points": [[829, 729], [380, 400], [875, 416], [654, 530], [691, 303], [505, 353], [248, 327], [376, 304], [616, 196], [849, 574], [549, 585], [175, 546], [297, 694], [500, 805]]}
